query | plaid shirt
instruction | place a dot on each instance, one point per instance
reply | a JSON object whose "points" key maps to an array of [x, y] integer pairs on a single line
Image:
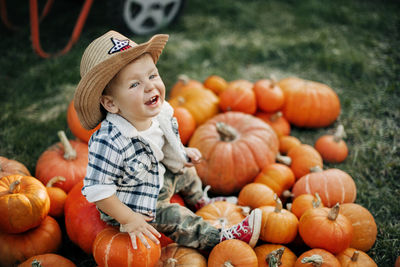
{"points": [[121, 162]]}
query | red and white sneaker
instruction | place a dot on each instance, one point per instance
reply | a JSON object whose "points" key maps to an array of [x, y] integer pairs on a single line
{"points": [[247, 230], [205, 200]]}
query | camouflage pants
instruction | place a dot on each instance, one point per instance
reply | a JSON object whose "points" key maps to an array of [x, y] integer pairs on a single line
{"points": [[180, 223]]}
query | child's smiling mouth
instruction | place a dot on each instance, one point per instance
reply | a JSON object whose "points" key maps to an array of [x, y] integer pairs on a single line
{"points": [[153, 100]]}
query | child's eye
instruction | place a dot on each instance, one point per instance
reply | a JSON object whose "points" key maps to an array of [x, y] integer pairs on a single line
{"points": [[152, 76], [133, 85]]}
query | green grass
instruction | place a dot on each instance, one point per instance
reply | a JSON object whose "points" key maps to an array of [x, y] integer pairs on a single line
{"points": [[353, 46]]}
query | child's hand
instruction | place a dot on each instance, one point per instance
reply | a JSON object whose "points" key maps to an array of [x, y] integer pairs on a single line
{"points": [[194, 155], [138, 227]]}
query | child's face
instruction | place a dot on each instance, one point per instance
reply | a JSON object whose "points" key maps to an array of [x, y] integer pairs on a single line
{"points": [[137, 92]]}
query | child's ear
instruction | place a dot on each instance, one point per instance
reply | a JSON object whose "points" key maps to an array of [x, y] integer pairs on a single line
{"points": [[107, 102]]}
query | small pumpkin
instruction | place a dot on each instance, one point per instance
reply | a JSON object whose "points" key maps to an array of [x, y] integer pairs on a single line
{"points": [[232, 253], [276, 176], [183, 84], [304, 202], [16, 248], [57, 197], [287, 142], [186, 123], [24, 203], [47, 260], [10, 166], [270, 97], [235, 147], [256, 195], [221, 214], [215, 83], [326, 228], [332, 185], [174, 255], [304, 157], [67, 158], [75, 125], [278, 225], [355, 258], [364, 226], [113, 248], [276, 120], [309, 103], [274, 255], [317, 258], [238, 96], [333, 148]]}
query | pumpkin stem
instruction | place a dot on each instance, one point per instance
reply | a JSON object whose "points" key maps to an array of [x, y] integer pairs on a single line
{"points": [[274, 258], [339, 134], [181, 100], [171, 262], [315, 260], [54, 180], [316, 202], [283, 159], [333, 212], [184, 78], [289, 206], [227, 133], [278, 203], [245, 210], [14, 187], [36, 263], [355, 256], [276, 116], [287, 194], [69, 151], [316, 169]]}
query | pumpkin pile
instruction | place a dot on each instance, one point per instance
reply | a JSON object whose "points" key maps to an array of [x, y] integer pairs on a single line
{"points": [[242, 129]]}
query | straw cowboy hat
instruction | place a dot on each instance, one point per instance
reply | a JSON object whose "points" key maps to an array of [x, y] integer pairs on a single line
{"points": [[101, 61]]}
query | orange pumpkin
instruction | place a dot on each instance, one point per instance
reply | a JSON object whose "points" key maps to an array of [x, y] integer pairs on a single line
{"points": [[283, 256], [67, 158], [175, 255], [183, 84], [397, 262], [47, 260], [276, 176], [256, 195], [364, 226], [75, 125], [16, 248], [304, 157], [317, 258], [235, 147], [326, 228], [232, 252], [287, 142], [186, 123], [304, 202], [215, 83], [238, 96], [200, 102], [351, 257], [308, 103], [10, 166], [332, 147], [114, 249], [278, 225], [280, 125], [269, 96], [332, 185], [57, 197], [24, 203], [221, 213]]}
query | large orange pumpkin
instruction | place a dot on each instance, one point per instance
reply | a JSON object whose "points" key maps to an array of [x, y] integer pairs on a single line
{"points": [[332, 185], [238, 96], [276, 176], [269, 96], [235, 147], [112, 248], [332, 148], [16, 248], [304, 157], [232, 252], [10, 166], [221, 213], [351, 257], [317, 258], [308, 103], [67, 158], [256, 195], [283, 256], [75, 125], [47, 260], [174, 255], [183, 84], [326, 228], [24, 203]]}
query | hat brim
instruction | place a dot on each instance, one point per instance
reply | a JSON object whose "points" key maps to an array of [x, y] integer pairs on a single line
{"points": [[91, 86]]}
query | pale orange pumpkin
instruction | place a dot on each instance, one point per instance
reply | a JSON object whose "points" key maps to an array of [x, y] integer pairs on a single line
{"points": [[333, 148], [309, 103], [276, 176], [280, 125], [215, 83], [186, 123], [57, 197], [332, 185], [270, 97], [278, 225], [221, 213], [47, 260], [112, 248], [232, 252], [304, 157], [326, 228], [283, 256], [317, 258], [174, 255], [235, 147], [351, 257], [256, 195], [364, 226], [10, 166], [24, 203], [287, 142], [183, 84], [75, 125], [238, 96], [304, 202]]}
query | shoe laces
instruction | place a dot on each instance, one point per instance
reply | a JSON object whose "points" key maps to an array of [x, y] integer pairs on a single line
{"points": [[234, 230]]}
